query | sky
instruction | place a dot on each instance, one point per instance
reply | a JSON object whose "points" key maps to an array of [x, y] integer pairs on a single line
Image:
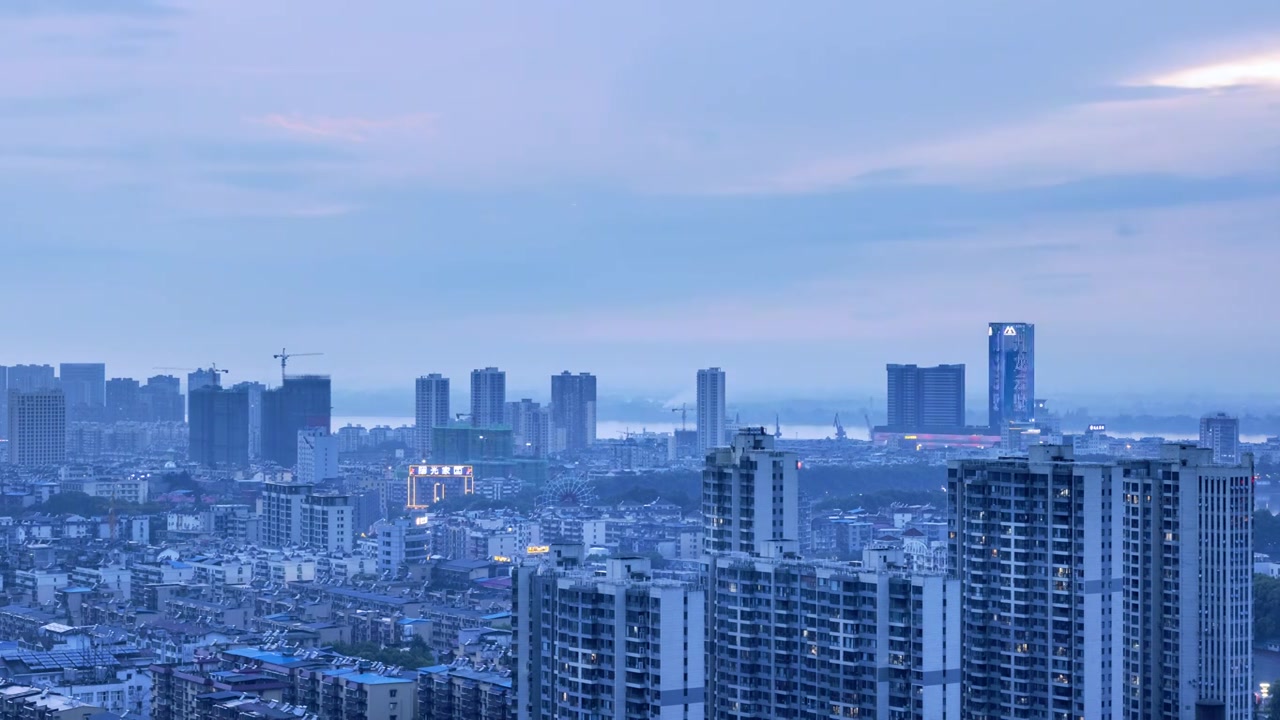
{"points": [[798, 193]]}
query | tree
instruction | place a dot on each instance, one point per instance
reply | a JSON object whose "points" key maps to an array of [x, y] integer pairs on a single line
{"points": [[1266, 608], [414, 655]]}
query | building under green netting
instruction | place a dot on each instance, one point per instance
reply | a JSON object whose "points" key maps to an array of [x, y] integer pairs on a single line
{"points": [[467, 445], [490, 450]]}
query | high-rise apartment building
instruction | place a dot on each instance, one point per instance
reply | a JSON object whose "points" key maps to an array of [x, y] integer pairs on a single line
{"points": [[573, 409], [1187, 569], [84, 385], [161, 399], [328, 522], [1011, 387], [1220, 433], [925, 398], [218, 421], [202, 378], [402, 542], [711, 412], [1033, 542], [253, 390], [809, 640], [30, 378], [37, 427], [1103, 590], [282, 513], [303, 401], [317, 455], [123, 400], [750, 495], [488, 396], [531, 432], [619, 644], [431, 409], [4, 402]]}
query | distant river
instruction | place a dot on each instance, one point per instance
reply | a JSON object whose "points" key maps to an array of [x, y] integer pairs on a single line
{"points": [[1266, 666], [617, 428]]}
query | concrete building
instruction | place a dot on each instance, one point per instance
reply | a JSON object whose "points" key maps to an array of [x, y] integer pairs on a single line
{"points": [[488, 396], [37, 427], [1104, 590], [282, 513], [802, 639], [1187, 568], [328, 523], [1220, 433], [161, 399], [203, 378], [254, 392], [218, 421], [84, 385], [303, 401], [621, 644], [402, 542], [531, 429], [431, 409], [317, 455], [711, 409], [30, 378], [123, 400], [446, 692], [573, 409], [925, 398], [750, 495], [1011, 386], [1034, 543]]}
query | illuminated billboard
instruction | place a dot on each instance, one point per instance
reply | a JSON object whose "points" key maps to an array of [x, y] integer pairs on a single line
{"points": [[430, 484]]}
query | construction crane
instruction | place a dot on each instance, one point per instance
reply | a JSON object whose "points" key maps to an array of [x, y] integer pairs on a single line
{"points": [[213, 368], [840, 433], [684, 415], [284, 355], [777, 427]]}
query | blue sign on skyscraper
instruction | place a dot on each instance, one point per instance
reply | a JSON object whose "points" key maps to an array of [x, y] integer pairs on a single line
{"points": [[1012, 386]]}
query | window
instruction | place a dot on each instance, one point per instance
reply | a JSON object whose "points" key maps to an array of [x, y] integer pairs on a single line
{"points": [[394, 692]]}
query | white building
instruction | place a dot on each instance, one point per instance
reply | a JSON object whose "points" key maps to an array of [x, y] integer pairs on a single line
{"points": [[619, 645], [750, 495], [431, 409], [328, 522], [711, 413], [317, 455], [401, 542], [282, 513]]}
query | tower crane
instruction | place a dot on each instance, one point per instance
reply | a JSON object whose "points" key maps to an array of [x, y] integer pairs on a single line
{"points": [[284, 355], [684, 415]]}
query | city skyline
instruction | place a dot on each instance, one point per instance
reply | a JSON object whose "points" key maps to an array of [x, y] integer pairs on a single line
{"points": [[177, 131]]}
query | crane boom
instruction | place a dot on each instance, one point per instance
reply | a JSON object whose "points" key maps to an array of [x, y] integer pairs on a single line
{"points": [[284, 355]]}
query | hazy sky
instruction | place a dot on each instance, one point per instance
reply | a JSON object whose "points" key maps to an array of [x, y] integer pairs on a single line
{"points": [[797, 192]]}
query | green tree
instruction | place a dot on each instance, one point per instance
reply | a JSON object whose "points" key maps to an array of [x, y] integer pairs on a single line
{"points": [[1266, 608], [414, 655]]}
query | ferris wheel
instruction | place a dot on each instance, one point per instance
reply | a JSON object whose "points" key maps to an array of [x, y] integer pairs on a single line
{"points": [[571, 489]]}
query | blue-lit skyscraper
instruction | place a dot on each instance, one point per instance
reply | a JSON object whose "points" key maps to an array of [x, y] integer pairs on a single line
{"points": [[1011, 361]]}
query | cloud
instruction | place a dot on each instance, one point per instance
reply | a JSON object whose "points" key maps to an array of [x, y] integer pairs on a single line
{"points": [[32, 8], [349, 129], [1256, 70]]}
